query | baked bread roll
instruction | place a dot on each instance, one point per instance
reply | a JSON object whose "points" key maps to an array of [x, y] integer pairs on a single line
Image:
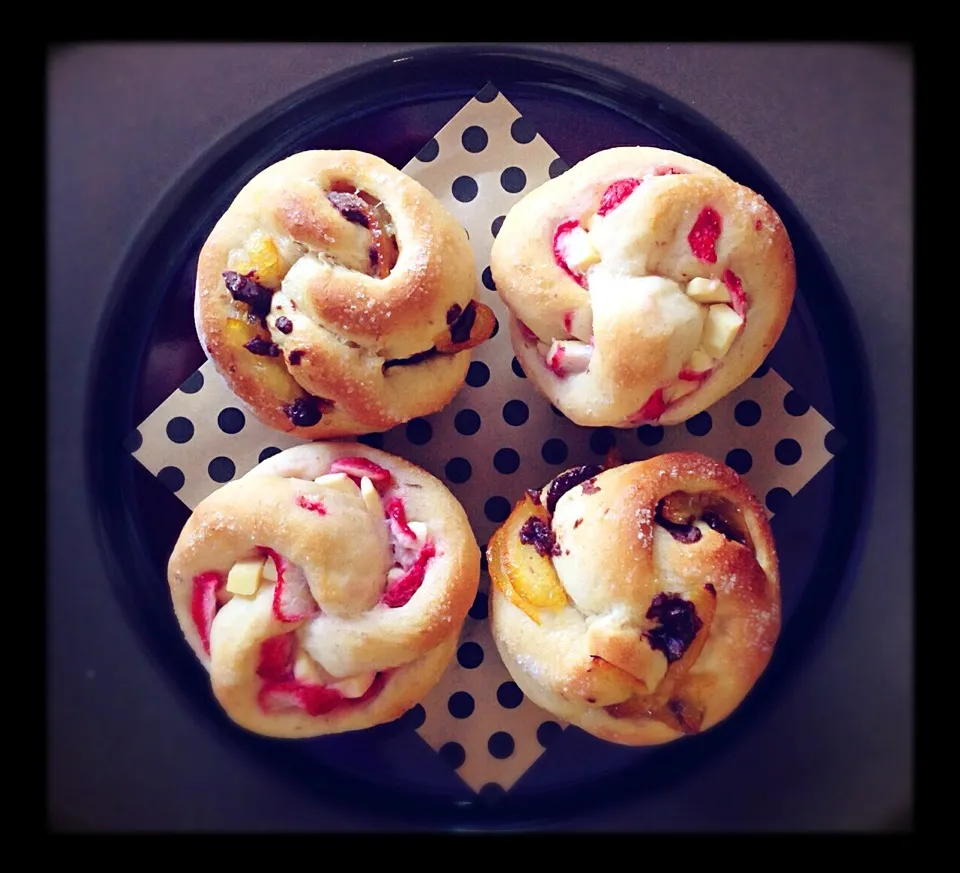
{"points": [[336, 296], [641, 602], [643, 286], [325, 590]]}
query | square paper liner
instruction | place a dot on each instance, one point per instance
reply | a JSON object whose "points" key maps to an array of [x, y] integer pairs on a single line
{"points": [[496, 438]]}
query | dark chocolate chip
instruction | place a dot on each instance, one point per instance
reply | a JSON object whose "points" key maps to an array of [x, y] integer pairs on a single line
{"points": [[374, 256], [453, 313], [537, 533], [259, 346], [709, 587], [284, 324], [304, 411], [246, 290], [677, 628], [570, 479], [460, 330], [350, 206], [715, 521], [295, 356]]}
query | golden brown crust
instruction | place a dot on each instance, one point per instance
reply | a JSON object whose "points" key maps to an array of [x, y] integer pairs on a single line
{"points": [[660, 636], [626, 314], [345, 552], [322, 265]]}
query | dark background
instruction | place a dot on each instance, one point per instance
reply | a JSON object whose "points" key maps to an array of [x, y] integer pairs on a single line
{"points": [[832, 123]]}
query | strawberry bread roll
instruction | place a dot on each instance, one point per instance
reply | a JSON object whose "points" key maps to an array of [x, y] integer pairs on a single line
{"points": [[643, 286], [640, 603], [336, 296], [325, 590]]}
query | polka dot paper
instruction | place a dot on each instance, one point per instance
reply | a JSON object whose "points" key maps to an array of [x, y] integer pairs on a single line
{"points": [[496, 438]]}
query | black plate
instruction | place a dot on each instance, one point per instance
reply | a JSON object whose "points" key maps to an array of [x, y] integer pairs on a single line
{"points": [[392, 107]]}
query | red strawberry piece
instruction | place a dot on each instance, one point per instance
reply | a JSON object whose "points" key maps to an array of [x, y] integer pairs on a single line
{"points": [[276, 658], [397, 514], [407, 585], [292, 600], [292, 694], [357, 468], [559, 243], [203, 604], [704, 235], [528, 334], [694, 375], [567, 321], [652, 409], [738, 298], [555, 361], [312, 503], [616, 194]]}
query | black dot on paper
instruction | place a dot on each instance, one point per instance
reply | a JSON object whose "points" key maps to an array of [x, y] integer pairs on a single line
{"points": [[794, 404], [548, 732], [268, 452], [761, 371], [833, 442], [172, 477], [460, 704], [478, 375], [429, 152], [474, 139], [522, 131], [700, 424], [558, 166], [554, 451], [179, 429], [777, 499], [419, 431], [452, 754], [496, 327], [747, 413], [470, 655], [517, 369], [478, 611], [487, 94], [556, 411], [496, 509], [491, 794], [512, 180], [500, 745], [739, 460], [787, 451], [458, 470], [602, 440], [464, 188], [414, 718], [193, 383], [467, 422], [134, 440], [650, 434], [515, 412], [506, 461], [374, 440], [231, 420], [487, 278], [497, 223], [509, 695], [221, 469]]}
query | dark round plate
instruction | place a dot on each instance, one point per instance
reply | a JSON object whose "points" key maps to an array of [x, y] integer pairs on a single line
{"points": [[391, 107]]}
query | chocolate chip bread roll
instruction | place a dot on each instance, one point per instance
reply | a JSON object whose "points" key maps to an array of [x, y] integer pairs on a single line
{"points": [[643, 286], [640, 603], [325, 590], [336, 296]]}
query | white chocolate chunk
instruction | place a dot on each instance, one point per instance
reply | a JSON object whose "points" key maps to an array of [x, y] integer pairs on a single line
{"points": [[567, 357], [699, 362], [269, 573], [720, 330], [394, 574], [340, 481], [355, 686], [578, 251], [419, 530], [244, 577], [371, 497], [708, 290], [679, 389]]}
